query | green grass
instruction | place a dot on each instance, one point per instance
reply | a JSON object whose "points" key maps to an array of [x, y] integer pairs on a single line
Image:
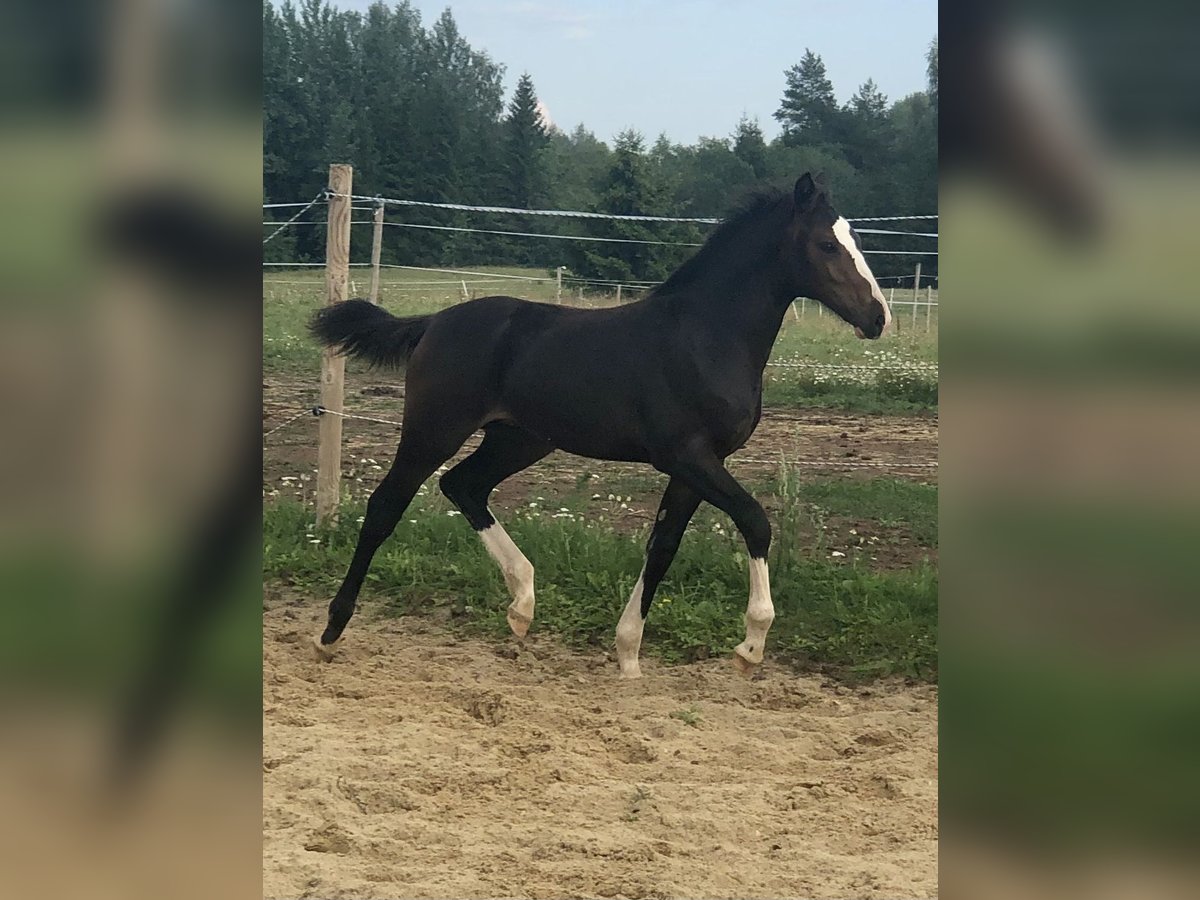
{"points": [[800, 392], [690, 716], [896, 375], [890, 502], [907, 384], [837, 616]]}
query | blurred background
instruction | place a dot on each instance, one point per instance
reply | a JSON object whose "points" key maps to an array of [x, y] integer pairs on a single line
{"points": [[1070, 715], [129, 341], [129, 336]]}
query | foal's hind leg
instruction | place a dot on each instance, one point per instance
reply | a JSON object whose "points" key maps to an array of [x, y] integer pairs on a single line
{"points": [[505, 450], [678, 505], [416, 460]]}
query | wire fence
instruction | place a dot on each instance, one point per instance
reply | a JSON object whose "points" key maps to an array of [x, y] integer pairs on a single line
{"points": [[375, 202], [564, 278]]}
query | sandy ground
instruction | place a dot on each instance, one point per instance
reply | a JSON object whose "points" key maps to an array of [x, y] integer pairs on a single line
{"points": [[417, 764]]}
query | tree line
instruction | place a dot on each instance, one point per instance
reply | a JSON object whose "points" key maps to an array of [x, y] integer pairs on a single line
{"points": [[421, 114]]}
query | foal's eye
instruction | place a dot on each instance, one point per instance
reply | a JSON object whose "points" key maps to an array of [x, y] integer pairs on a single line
{"points": [[828, 247]]}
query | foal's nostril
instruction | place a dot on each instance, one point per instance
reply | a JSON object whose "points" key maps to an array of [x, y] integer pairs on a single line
{"points": [[880, 321]]}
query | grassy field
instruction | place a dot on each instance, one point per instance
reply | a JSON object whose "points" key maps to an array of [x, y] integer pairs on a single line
{"points": [[897, 374], [837, 611]]}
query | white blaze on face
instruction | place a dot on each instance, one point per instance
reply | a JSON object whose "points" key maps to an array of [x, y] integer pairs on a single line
{"points": [[841, 230]]}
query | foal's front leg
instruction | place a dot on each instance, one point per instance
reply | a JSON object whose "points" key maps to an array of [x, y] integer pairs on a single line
{"points": [[760, 613], [708, 477]]}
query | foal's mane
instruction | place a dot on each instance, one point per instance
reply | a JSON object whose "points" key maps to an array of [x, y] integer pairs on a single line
{"points": [[741, 231]]}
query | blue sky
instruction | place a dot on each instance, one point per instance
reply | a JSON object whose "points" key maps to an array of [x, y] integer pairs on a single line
{"points": [[688, 67]]}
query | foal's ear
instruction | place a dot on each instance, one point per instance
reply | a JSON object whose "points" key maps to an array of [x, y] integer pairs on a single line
{"points": [[805, 192]]}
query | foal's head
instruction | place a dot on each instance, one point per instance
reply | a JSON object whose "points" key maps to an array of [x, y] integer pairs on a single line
{"points": [[824, 258]]}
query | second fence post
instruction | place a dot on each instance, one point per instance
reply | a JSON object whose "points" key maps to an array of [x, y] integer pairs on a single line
{"points": [[916, 294], [376, 250], [333, 366]]}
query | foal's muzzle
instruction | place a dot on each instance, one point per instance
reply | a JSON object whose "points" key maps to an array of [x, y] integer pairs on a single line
{"points": [[874, 330]]}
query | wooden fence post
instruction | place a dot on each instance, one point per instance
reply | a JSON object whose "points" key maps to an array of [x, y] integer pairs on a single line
{"points": [[376, 250], [558, 285], [928, 305], [333, 366], [618, 295], [916, 294]]}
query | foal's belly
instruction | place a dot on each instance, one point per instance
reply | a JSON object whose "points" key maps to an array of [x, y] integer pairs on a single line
{"points": [[612, 451], [575, 430], [583, 404]]}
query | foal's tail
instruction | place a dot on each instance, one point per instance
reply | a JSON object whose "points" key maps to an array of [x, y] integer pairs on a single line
{"points": [[363, 330]]}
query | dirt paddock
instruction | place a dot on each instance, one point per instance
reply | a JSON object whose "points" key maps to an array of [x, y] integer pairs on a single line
{"points": [[818, 441], [418, 764]]}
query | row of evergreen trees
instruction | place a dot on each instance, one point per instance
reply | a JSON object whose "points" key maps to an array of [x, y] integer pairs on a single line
{"points": [[421, 115]]}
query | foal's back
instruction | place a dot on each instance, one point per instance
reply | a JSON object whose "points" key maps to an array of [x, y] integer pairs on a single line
{"points": [[562, 373]]}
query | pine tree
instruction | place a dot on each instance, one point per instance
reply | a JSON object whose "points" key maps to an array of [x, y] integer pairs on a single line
{"points": [[663, 170], [663, 150], [809, 110], [575, 164], [524, 165], [629, 188], [866, 130], [931, 73], [525, 140], [869, 103], [912, 183], [749, 146]]}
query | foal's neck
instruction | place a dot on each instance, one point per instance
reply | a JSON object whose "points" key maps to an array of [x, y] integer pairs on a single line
{"points": [[752, 315], [735, 284], [741, 308]]}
